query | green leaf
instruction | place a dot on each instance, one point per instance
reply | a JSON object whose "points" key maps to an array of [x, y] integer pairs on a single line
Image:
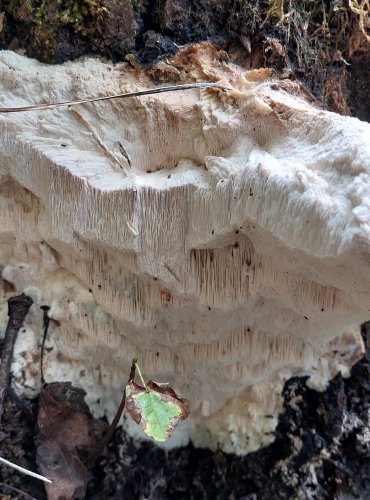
{"points": [[156, 408]]}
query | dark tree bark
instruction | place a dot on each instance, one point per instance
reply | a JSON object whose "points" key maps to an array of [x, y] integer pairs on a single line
{"points": [[325, 44]]}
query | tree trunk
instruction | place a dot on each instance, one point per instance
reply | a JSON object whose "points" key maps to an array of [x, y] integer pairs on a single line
{"points": [[323, 47]]}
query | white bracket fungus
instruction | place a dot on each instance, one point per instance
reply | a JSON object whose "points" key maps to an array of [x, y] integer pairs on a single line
{"points": [[223, 238]]}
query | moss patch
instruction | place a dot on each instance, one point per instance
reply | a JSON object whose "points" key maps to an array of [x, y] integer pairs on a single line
{"points": [[51, 22]]}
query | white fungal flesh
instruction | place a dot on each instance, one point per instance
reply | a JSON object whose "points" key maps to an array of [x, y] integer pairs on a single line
{"points": [[232, 254]]}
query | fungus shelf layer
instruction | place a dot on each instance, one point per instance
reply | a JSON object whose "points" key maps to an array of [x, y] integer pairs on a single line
{"points": [[221, 237]]}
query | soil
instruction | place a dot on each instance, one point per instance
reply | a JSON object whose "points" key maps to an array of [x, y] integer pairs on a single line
{"points": [[321, 451]]}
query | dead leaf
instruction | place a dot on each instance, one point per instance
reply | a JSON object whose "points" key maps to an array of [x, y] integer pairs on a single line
{"points": [[2, 15], [65, 427], [156, 408]]}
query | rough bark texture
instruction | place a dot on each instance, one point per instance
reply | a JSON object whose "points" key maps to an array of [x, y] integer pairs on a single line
{"points": [[325, 44]]}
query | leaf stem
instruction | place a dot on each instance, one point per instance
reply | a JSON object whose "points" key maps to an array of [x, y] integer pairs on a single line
{"points": [[140, 374], [99, 448]]}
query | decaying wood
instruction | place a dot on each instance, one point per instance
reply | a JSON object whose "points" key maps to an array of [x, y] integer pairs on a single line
{"points": [[18, 308]]}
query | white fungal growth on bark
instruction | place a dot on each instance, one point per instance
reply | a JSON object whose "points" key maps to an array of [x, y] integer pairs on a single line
{"points": [[222, 237]]}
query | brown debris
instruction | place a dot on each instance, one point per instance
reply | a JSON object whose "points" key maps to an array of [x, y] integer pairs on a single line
{"points": [[2, 15], [333, 93], [65, 427]]}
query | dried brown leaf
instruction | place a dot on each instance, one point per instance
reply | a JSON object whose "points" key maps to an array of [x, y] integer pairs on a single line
{"points": [[65, 427]]}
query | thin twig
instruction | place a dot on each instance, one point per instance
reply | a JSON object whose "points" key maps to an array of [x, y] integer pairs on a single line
{"points": [[17, 490], [98, 450], [25, 471], [18, 308], [137, 93], [45, 325]]}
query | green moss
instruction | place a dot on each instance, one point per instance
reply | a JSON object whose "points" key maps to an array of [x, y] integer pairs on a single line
{"points": [[275, 10], [81, 16], [13, 7], [50, 18]]}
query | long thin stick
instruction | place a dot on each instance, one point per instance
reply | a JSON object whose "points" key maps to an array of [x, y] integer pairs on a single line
{"points": [[137, 93], [18, 308], [25, 471]]}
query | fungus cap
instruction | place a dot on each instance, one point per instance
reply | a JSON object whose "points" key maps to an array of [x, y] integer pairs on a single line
{"points": [[228, 253]]}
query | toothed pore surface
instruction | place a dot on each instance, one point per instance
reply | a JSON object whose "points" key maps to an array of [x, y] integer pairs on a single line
{"points": [[233, 253]]}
